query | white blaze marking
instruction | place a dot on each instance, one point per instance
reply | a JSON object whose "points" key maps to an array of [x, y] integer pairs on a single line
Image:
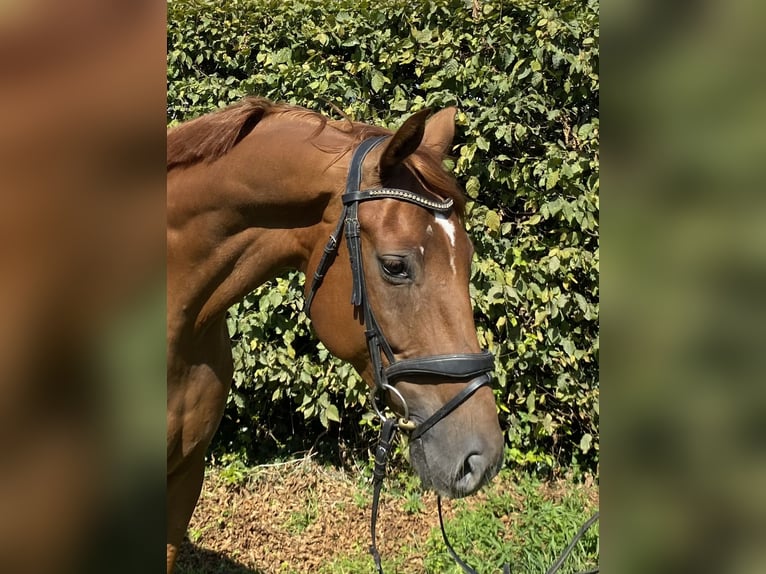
{"points": [[449, 229]]}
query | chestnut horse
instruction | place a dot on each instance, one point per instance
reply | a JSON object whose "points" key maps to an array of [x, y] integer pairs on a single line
{"points": [[256, 188]]}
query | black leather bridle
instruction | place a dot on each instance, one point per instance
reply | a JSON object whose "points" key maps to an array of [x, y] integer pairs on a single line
{"points": [[475, 367]]}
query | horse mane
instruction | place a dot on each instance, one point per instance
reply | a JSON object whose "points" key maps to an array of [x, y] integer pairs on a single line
{"points": [[209, 137], [212, 135]]}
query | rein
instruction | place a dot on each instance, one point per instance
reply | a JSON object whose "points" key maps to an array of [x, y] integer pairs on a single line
{"points": [[476, 367]]}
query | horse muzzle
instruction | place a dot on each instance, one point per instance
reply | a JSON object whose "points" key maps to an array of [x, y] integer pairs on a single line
{"points": [[457, 458], [456, 455]]}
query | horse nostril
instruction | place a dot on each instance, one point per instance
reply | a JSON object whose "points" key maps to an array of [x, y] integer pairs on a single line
{"points": [[469, 464], [472, 472]]}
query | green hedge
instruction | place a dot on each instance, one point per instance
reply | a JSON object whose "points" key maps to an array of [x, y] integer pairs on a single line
{"points": [[525, 77]]}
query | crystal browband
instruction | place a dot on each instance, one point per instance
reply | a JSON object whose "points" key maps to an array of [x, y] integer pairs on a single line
{"points": [[401, 194]]}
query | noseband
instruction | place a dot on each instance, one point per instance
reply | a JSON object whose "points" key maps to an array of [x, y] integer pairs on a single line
{"points": [[456, 367]]}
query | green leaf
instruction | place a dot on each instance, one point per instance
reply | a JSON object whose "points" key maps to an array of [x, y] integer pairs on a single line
{"points": [[531, 402], [332, 413], [551, 180], [472, 187], [378, 81], [492, 220]]}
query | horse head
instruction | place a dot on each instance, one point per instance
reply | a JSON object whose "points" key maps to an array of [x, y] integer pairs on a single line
{"points": [[411, 299]]}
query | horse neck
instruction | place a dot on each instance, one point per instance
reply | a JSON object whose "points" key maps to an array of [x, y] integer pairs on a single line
{"points": [[244, 218]]}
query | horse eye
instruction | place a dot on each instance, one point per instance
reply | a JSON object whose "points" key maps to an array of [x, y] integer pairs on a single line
{"points": [[394, 267]]}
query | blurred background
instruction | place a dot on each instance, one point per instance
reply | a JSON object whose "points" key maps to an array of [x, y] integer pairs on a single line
{"points": [[82, 92], [684, 264]]}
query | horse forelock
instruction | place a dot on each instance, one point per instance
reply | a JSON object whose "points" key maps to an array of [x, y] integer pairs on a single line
{"points": [[211, 136], [427, 165]]}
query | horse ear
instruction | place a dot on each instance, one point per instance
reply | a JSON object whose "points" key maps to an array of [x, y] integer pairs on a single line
{"points": [[404, 142], [440, 131]]}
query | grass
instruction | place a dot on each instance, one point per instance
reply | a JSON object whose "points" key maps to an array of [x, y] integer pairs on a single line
{"points": [[358, 562], [300, 520], [414, 503], [525, 527], [522, 522], [517, 519]]}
